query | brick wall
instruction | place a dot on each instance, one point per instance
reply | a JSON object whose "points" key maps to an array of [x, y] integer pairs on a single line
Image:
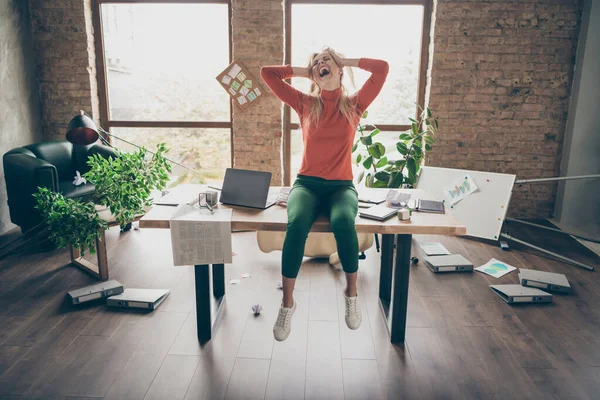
{"points": [[258, 40], [499, 81], [64, 44]]}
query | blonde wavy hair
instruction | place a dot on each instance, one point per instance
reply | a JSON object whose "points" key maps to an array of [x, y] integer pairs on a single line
{"points": [[346, 104]]}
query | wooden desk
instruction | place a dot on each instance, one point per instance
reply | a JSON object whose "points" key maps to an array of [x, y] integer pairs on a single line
{"points": [[396, 235]]}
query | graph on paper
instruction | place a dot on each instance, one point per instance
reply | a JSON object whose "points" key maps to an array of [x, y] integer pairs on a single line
{"points": [[459, 189]]}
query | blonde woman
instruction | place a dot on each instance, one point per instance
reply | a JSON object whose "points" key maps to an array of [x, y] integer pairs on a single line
{"points": [[328, 117]]}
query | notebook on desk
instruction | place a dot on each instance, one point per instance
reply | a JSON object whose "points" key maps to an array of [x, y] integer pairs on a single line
{"points": [[379, 212], [432, 206]]}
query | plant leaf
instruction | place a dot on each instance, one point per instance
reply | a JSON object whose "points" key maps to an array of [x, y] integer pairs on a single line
{"points": [[401, 147], [374, 151], [405, 136], [366, 140], [365, 114], [368, 162], [361, 175], [414, 128], [382, 176], [375, 132], [382, 162], [411, 165], [395, 180], [358, 158]]}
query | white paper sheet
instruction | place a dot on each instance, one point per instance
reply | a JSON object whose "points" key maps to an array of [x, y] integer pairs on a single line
{"points": [[495, 268], [459, 189], [434, 249], [201, 237], [236, 69]]}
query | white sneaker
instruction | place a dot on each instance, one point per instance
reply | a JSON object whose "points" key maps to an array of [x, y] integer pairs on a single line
{"points": [[353, 317], [283, 325]]}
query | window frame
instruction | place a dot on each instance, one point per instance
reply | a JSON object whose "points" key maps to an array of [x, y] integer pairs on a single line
{"points": [[105, 120], [288, 125]]}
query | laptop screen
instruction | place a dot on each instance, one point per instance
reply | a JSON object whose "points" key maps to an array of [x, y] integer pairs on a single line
{"points": [[246, 188]]}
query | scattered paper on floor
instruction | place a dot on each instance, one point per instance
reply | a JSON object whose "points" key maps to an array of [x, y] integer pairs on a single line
{"points": [[495, 268]]}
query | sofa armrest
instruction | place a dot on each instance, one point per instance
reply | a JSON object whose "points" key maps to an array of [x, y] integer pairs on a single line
{"points": [[24, 174], [103, 151]]}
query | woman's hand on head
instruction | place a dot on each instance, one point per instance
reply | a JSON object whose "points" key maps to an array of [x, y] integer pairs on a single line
{"points": [[341, 62]]}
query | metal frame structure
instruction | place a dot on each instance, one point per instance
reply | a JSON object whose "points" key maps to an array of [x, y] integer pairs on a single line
{"points": [[102, 76], [288, 126], [521, 182]]}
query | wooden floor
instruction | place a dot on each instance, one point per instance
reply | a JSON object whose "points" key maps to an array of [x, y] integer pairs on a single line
{"points": [[462, 340]]}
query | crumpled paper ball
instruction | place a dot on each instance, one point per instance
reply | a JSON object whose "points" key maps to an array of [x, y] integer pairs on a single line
{"points": [[256, 308]]}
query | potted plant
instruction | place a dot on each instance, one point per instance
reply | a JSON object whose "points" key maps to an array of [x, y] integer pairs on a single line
{"points": [[382, 172], [123, 184]]}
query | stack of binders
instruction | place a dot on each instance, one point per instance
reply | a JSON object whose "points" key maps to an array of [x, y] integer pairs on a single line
{"points": [[117, 296], [529, 291]]}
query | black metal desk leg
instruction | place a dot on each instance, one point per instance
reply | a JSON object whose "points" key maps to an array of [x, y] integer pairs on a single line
{"points": [[387, 266], [203, 319], [218, 276], [400, 298]]}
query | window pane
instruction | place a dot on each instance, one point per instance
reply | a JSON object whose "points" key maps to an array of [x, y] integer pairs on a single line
{"points": [[391, 33], [205, 150], [162, 60]]}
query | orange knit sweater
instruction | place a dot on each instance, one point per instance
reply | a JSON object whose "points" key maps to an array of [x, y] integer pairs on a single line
{"points": [[327, 146]]}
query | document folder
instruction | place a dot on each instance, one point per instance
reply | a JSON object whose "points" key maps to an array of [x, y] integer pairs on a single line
{"points": [[96, 291], [544, 280], [448, 263], [139, 298], [521, 294]]}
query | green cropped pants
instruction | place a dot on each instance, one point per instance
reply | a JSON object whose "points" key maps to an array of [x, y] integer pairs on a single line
{"points": [[311, 196]]}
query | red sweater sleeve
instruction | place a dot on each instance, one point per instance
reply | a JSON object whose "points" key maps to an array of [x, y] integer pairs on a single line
{"points": [[274, 76], [379, 71]]}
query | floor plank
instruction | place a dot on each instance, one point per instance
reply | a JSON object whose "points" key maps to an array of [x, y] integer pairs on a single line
{"points": [[324, 375], [248, 379], [173, 378], [137, 375], [361, 380]]}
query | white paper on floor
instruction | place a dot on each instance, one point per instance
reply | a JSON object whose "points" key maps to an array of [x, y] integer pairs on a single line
{"points": [[256, 308], [245, 275], [234, 281]]}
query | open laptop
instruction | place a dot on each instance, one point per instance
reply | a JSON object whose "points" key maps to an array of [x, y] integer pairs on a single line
{"points": [[247, 188]]}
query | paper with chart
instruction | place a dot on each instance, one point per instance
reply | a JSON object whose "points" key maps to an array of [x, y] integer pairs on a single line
{"points": [[199, 236], [459, 189], [495, 268]]}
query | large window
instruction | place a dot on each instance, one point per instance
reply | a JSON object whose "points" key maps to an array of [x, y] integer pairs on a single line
{"points": [[157, 80], [395, 31]]}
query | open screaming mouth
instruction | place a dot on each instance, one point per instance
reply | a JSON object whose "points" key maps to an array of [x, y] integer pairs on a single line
{"points": [[323, 72]]}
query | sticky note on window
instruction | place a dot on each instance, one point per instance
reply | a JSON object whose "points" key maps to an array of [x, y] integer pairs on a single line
{"points": [[235, 85], [251, 96], [242, 100], [248, 83], [241, 76]]}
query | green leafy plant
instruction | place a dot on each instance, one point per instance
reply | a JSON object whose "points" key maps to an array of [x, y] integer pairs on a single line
{"points": [[124, 184], [69, 221], [381, 171]]}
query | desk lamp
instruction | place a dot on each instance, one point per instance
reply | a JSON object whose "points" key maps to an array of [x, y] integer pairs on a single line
{"points": [[83, 131]]}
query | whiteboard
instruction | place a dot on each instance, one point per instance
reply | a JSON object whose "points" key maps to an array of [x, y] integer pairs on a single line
{"points": [[484, 210]]}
